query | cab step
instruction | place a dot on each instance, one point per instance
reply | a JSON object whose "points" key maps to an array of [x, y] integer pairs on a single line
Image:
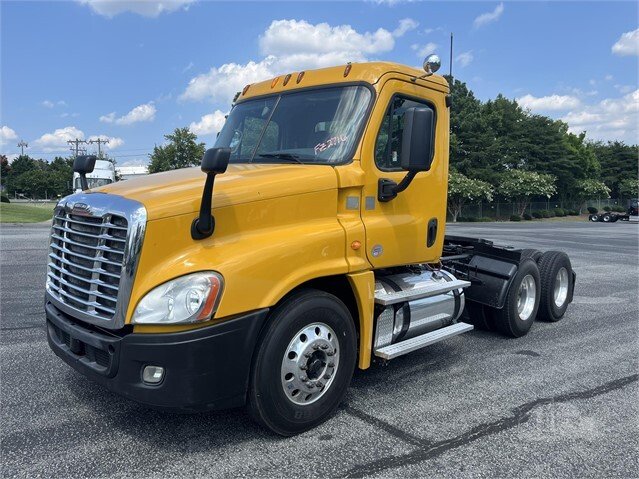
{"points": [[432, 289], [399, 349]]}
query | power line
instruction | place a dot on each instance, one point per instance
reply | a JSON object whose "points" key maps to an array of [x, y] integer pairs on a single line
{"points": [[22, 145]]}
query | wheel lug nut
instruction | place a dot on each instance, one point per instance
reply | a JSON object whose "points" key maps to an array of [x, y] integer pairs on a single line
{"points": [[320, 385], [307, 355], [315, 347], [311, 385], [303, 379], [303, 367], [331, 365], [330, 353], [324, 346]]}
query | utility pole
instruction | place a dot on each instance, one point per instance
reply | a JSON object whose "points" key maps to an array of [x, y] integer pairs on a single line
{"points": [[22, 145], [99, 141], [76, 146]]}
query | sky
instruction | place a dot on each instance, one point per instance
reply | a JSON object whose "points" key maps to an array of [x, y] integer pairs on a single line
{"points": [[133, 71]]}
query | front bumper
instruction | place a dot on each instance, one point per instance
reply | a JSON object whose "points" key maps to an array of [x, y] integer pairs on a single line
{"points": [[206, 368]]}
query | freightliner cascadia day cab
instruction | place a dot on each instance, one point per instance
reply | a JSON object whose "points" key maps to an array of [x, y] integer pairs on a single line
{"points": [[310, 242]]}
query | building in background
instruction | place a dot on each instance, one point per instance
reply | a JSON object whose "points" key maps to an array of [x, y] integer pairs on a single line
{"points": [[129, 172]]}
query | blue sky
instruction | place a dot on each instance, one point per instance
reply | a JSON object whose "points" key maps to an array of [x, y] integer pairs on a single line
{"points": [[133, 71]]}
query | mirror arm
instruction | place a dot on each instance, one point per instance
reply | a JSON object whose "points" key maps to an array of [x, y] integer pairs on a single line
{"points": [[388, 189], [204, 225], [83, 181]]}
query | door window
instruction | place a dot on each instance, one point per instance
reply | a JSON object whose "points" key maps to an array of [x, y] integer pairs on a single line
{"points": [[388, 146]]}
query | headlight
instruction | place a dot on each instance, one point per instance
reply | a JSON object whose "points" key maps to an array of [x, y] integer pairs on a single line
{"points": [[188, 299]]}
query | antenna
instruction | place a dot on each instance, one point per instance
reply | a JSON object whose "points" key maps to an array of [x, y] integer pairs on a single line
{"points": [[22, 145], [450, 67]]}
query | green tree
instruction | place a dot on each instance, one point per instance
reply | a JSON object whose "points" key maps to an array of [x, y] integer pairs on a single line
{"points": [[521, 186], [629, 188], [5, 169], [181, 151], [589, 188], [618, 161], [462, 190]]}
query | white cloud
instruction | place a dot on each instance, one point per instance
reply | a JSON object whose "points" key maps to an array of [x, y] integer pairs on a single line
{"points": [[423, 50], [624, 88], [628, 44], [548, 103], [146, 8], [489, 17], [145, 112], [405, 26], [114, 142], [288, 45], [48, 104], [609, 78], [7, 134], [609, 119], [465, 58], [57, 141], [209, 124]]}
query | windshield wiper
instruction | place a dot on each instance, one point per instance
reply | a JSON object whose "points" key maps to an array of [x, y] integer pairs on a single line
{"points": [[282, 156]]}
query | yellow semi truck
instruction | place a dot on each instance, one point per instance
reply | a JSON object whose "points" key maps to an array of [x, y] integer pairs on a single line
{"points": [[310, 242]]}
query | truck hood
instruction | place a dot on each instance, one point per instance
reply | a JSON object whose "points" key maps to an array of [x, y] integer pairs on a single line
{"points": [[179, 192]]}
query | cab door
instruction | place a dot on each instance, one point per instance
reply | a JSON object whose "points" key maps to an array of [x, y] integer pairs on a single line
{"points": [[409, 228]]}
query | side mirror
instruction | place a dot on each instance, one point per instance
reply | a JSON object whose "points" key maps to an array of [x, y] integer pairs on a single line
{"points": [[417, 139], [214, 162], [418, 142], [82, 165]]}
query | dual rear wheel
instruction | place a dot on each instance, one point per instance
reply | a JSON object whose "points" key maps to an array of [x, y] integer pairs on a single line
{"points": [[540, 289]]}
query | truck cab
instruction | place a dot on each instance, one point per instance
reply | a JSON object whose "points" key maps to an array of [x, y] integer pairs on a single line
{"points": [[311, 242]]}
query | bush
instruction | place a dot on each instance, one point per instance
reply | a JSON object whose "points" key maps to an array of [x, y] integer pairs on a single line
{"points": [[485, 219], [592, 210], [607, 208], [544, 213], [618, 209], [559, 212], [537, 214], [466, 219], [527, 217], [515, 218], [573, 212], [4, 199]]}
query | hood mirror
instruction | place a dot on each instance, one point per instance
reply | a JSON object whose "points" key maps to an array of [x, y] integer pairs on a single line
{"points": [[214, 162], [82, 165]]}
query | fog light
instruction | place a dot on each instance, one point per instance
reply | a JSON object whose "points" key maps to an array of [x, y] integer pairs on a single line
{"points": [[152, 374]]}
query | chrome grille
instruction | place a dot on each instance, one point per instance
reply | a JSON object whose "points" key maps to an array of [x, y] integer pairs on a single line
{"points": [[95, 242], [86, 259]]}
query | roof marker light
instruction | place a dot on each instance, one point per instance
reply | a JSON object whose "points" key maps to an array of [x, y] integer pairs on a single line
{"points": [[274, 82], [347, 70], [286, 79], [299, 77], [246, 89]]}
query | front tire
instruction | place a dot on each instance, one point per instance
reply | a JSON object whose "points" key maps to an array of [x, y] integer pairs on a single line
{"points": [[304, 363]]}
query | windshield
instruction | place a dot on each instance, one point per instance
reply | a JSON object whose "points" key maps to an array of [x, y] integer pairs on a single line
{"points": [[312, 126]]}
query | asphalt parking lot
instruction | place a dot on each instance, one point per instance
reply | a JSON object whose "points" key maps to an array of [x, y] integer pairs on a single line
{"points": [[559, 402]]}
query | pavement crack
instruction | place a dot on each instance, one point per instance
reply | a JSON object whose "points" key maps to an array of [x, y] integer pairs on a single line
{"points": [[381, 424], [520, 415]]}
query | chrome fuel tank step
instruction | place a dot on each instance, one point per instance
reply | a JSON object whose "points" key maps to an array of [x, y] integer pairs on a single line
{"points": [[425, 291], [418, 342]]}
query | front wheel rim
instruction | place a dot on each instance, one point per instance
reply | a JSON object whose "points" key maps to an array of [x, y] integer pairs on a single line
{"points": [[526, 297], [560, 292], [309, 364]]}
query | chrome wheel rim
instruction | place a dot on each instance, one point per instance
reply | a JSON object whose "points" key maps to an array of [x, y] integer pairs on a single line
{"points": [[309, 364], [561, 288], [526, 297]]}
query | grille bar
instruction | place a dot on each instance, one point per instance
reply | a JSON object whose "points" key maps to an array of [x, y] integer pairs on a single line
{"points": [[80, 278], [90, 270], [86, 303], [80, 233], [88, 258]]}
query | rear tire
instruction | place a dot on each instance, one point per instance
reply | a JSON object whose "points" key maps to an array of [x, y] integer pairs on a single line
{"points": [[522, 301], [593, 218], [606, 218], [555, 271], [287, 360], [535, 254]]}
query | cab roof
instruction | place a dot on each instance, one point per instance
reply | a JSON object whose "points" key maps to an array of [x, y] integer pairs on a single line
{"points": [[371, 72]]}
